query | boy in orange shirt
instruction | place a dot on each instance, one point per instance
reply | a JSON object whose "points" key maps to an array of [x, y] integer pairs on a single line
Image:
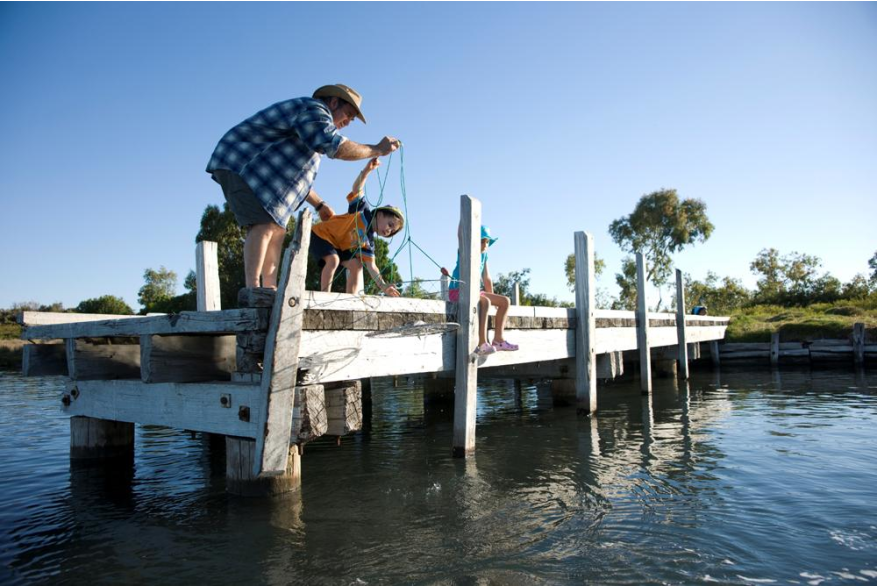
{"points": [[348, 239]]}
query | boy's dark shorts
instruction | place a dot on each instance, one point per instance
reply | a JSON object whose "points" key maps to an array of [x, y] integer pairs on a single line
{"points": [[321, 248], [241, 200]]}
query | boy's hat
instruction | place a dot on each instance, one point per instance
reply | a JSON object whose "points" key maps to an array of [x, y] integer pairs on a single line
{"points": [[485, 234], [395, 212], [346, 93]]}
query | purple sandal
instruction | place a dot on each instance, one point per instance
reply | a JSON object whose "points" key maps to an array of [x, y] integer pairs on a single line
{"points": [[485, 349], [505, 346]]}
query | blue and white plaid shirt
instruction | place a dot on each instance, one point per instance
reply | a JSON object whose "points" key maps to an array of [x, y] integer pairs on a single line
{"points": [[277, 152]]}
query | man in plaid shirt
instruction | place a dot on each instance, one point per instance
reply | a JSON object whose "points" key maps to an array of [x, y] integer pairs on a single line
{"points": [[267, 164]]}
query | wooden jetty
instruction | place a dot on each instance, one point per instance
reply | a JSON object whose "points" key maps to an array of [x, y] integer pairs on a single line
{"points": [[292, 365]]}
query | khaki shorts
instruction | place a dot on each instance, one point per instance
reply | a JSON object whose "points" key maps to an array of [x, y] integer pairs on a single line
{"points": [[241, 200]]}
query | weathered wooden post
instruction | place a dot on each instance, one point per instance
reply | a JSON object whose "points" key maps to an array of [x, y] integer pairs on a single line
{"points": [[343, 407], [774, 349], [516, 294], [585, 332], [465, 392], [610, 365], [714, 353], [241, 461], [642, 326], [207, 277], [366, 385], [95, 438], [271, 452], [680, 326], [859, 343]]}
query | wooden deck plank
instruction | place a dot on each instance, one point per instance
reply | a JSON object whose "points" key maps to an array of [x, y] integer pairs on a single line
{"points": [[221, 322]]}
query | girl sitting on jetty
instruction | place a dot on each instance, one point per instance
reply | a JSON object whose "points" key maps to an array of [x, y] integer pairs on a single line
{"points": [[487, 298]]}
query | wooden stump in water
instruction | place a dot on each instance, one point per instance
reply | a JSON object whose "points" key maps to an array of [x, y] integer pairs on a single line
{"points": [[93, 438], [239, 478], [343, 407], [665, 361]]}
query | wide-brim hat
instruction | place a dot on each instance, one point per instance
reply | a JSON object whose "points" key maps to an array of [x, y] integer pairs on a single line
{"points": [[346, 93], [485, 234]]}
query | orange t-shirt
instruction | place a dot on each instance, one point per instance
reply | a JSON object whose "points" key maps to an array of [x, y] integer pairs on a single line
{"points": [[352, 231]]}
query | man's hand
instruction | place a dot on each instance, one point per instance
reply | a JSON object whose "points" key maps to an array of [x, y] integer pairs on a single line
{"points": [[392, 291], [326, 212], [388, 145]]}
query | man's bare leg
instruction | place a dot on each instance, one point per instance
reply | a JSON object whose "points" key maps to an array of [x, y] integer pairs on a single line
{"points": [[272, 257], [255, 248]]}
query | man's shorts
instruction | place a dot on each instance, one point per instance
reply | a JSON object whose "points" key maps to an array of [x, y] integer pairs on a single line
{"points": [[320, 248], [241, 200]]}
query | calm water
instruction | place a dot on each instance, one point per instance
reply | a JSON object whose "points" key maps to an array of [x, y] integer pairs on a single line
{"points": [[747, 478]]}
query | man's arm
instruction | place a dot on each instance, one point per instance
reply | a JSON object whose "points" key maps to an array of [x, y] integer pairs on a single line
{"points": [[353, 151], [325, 210]]}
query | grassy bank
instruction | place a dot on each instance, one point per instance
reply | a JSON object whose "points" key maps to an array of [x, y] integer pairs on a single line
{"points": [[10, 355], [10, 347], [10, 331], [756, 324]]}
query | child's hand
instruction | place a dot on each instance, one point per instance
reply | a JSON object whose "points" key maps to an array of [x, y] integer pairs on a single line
{"points": [[373, 164], [392, 291]]}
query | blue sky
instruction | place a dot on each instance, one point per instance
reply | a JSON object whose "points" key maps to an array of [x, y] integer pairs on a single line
{"points": [[558, 117]]}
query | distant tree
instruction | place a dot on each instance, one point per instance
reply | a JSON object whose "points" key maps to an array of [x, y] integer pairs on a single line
{"points": [[659, 226], [826, 288], [55, 307], [11, 315], [872, 264], [161, 285], [858, 287], [504, 283], [534, 299], [626, 281], [104, 305], [721, 297], [793, 279], [569, 267], [415, 289], [221, 227], [802, 277], [26, 307], [191, 281], [771, 285]]}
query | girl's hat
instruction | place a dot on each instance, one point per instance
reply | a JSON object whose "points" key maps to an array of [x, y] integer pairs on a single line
{"points": [[395, 212], [485, 234]]}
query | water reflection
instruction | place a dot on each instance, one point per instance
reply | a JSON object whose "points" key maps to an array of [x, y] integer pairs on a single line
{"points": [[733, 478]]}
